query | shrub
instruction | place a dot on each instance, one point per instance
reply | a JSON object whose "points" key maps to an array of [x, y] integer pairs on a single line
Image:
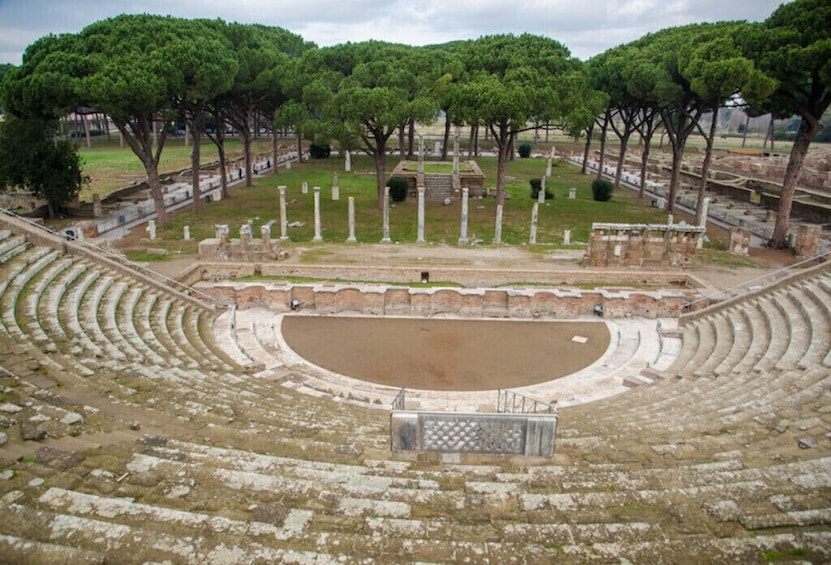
{"points": [[398, 189], [536, 185], [319, 151], [525, 150], [602, 190]]}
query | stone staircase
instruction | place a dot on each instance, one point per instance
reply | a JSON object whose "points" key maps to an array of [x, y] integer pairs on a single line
{"points": [[438, 187], [162, 447]]}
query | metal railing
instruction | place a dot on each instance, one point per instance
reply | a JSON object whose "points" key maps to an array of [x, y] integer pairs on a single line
{"points": [[122, 261], [398, 403], [755, 283], [510, 402]]}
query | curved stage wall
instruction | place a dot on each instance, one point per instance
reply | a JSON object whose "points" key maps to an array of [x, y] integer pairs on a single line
{"points": [[384, 300]]}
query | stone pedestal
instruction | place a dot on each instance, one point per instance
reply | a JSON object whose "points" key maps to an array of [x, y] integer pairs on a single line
{"points": [[186, 234], [572, 193], [566, 237], [304, 188], [740, 241], [335, 187], [151, 229], [347, 164], [808, 238]]}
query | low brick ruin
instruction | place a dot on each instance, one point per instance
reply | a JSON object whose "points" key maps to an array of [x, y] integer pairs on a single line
{"points": [[643, 245], [246, 248]]}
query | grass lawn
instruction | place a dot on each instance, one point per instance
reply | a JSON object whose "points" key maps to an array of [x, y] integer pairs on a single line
{"points": [[111, 167], [442, 225]]}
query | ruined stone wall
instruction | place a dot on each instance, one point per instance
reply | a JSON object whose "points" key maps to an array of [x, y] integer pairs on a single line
{"points": [[642, 245], [381, 300]]}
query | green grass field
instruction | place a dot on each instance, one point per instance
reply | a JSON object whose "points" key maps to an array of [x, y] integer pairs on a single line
{"points": [[442, 225], [111, 167]]}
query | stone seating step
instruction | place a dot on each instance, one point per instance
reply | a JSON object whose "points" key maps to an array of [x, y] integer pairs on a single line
{"points": [[744, 330], [725, 341], [14, 287], [122, 321], [742, 339], [19, 550], [800, 330], [224, 333], [818, 302], [780, 335], [198, 325], [689, 340], [146, 543], [49, 309], [151, 312], [11, 247], [760, 330], [706, 345]]}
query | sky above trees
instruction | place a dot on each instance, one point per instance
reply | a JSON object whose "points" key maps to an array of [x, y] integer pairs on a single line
{"points": [[587, 27]]}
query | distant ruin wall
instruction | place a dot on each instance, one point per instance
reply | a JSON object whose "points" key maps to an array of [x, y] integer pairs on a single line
{"points": [[642, 245]]}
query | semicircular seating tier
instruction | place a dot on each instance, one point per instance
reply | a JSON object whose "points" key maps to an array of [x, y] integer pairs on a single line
{"points": [[146, 442]]}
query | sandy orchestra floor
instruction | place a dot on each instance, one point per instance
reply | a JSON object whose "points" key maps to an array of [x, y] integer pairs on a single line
{"points": [[446, 354]]}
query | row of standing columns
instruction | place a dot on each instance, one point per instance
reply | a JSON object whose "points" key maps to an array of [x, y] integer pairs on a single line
{"points": [[463, 239]]}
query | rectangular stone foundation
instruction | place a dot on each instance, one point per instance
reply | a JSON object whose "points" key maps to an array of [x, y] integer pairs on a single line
{"points": [[531, 435]]}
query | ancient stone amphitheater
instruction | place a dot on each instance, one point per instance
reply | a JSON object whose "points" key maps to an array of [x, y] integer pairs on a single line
{"points": [[131, 437]]}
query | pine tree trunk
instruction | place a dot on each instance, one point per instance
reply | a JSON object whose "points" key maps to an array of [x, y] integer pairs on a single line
{"points": [[705, 170], [804, 135]]}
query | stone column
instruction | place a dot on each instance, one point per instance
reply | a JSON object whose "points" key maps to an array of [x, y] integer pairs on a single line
{"points": [[304, 188], [265, 234], [318, 236], [548, 168], [420, 153], [97, 210], [347, 165], [386, 227], [151, 229], [535, 215], [541, 193], [566, 237], [421, 191], [335, 187], [456, 155], [705, 209], [497, 235], [244, 237], [463, 233], [187, 233], [283, 220], [351, 218]]}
